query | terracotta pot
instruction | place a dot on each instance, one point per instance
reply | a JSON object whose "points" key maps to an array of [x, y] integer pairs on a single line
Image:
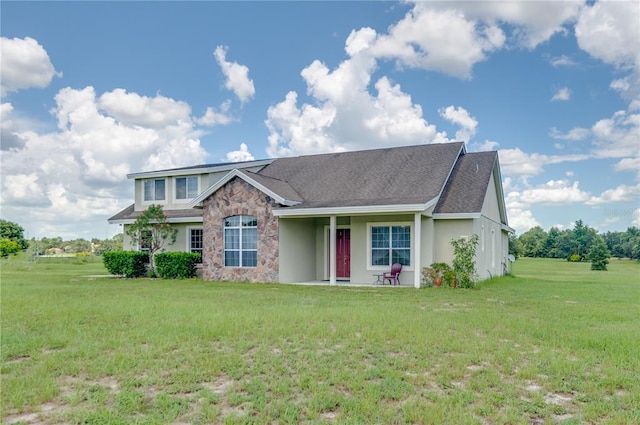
{"points": [[437, 281]]}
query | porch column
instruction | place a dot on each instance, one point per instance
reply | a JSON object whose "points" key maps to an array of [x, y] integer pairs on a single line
{"points": [[417, 237], [332, 250]]}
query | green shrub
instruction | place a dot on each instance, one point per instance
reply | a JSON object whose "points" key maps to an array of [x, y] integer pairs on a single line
{"points": [[464, 264], [8, 247], [575, 258], [126, 263], [435, 274], [176, 265]]}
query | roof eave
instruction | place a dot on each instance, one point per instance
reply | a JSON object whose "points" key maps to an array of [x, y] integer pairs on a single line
{"points": [[195, 170], [456, 216], [354, 210], [175, 220]]}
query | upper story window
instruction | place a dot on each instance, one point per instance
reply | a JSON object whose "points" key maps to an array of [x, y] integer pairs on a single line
{"points": [[390, 244], [154, 190], [241, 241], [186, 187]]}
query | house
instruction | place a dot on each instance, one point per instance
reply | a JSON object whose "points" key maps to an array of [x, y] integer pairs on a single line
{"points": [[332, 217]]}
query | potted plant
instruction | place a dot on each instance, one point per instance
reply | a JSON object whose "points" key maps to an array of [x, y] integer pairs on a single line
{"points": [[439, 271]]}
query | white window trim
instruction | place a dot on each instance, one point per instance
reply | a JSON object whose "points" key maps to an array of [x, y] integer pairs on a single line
{"points": [[224, 250], [188, 237], [155, 201], [138, 245], [371, 267], [175, 189]]}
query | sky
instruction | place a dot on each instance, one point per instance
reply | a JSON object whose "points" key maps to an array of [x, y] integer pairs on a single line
{"points": [[92, 91]]}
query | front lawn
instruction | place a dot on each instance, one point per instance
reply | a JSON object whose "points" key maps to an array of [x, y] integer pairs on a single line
{"points": [[558, 343]]}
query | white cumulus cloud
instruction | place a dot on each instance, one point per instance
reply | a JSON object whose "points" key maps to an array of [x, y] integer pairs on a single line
{"points": [[136, 110], [237, 76], [219, 116], [608, 30], [77, 172], [519, 163], [461, 117], [25, 64], [629, 164], [240, 155], [343, 114], [562, 94], [622, 193], [554, 192]]}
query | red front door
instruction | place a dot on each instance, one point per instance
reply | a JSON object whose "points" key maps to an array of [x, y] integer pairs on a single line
{"points": [[343, 253]]}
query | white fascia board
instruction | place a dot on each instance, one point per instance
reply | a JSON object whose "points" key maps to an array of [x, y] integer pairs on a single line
{"points": [[497, 177], [462, 151], [214, 187], [237, 173], [508, 229], [176, 220], [279, 199], [456, 216], [375, 209], [202, 170]]}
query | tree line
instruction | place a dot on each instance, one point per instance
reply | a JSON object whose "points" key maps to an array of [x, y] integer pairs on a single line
{"points": [[12, 241], [575, 244]]}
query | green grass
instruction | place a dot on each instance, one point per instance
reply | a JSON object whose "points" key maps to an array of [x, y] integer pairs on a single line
{"points": [[558, 343]]}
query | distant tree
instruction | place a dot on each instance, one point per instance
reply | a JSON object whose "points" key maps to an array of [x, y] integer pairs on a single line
{"points": [[14, 232], [564, 244], [583, 237], [615, 243], [532, 242], [107, 245], [549, 249], [514, 246], [77, 245], [8, 247], [599, 254], [153, 231]]}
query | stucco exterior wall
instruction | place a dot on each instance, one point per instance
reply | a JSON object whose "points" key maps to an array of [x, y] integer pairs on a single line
{"points": [[444, 232], [490, 207], [361, 271], [237, 197], [181, 243], [490, 253], [297, 250]]}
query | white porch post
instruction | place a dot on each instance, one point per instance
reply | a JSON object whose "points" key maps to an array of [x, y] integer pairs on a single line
{"points": [[417, 230], [332, 250]]}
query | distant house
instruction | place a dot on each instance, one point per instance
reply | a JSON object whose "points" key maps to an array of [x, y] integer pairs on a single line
{"points": [[332, 217]]}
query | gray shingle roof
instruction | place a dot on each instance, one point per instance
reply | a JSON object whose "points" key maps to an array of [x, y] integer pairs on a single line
{"points": [[391, 176], [278, 186], [129, 214], [467, 186]]}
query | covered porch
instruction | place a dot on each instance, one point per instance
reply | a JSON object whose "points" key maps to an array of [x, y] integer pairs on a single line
{"points": [[344, 250]]}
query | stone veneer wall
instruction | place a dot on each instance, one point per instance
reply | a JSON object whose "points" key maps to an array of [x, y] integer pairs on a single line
{"points": [[238, 197]]}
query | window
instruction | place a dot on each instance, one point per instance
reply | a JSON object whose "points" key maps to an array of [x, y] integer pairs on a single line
{"points": [[154, 190], [186, 187], [196, 242], [390, 244], [241, 241], [144, 244]]}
